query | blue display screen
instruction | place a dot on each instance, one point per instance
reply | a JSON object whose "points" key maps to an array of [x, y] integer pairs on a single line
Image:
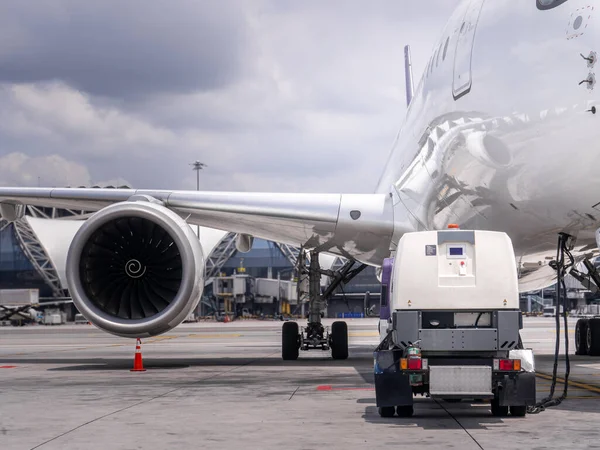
{"points": [[456, 251]]}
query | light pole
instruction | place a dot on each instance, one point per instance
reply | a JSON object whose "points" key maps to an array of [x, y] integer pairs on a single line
{"points": [[198, 166]]}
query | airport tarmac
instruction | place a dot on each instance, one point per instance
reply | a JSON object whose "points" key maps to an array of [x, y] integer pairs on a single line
{"points": [[224, 386]]}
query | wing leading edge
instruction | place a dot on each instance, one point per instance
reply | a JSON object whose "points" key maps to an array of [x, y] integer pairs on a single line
{"points": [[358, 226]]}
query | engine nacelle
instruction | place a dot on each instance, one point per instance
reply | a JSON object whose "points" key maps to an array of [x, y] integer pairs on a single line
{"points": [[135, 269]]}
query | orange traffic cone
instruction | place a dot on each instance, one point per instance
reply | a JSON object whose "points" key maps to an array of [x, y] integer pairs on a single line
{"points": [[138, 365]]}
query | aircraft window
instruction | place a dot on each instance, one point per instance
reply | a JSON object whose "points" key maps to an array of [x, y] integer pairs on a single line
{"points": [[437, 58], [549, 4], [446, 48]]}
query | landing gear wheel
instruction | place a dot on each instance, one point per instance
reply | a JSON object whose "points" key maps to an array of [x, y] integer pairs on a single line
{"points": [[387, 411], [581, 344], [593, 337], [497, 410], [339, 340], [518, 411], [289, 341], [405, 411]]}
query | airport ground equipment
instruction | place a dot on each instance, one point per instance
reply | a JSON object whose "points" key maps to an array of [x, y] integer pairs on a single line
{"points": [[80, 319], [451, 324], [17, 305], [315, 336], [54, 316], [23, 306]]}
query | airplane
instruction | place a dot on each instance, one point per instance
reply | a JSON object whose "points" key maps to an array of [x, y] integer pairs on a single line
{"points": [[500, 134]]}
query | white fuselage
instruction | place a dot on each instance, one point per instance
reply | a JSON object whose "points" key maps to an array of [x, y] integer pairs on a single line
{"points": [[499, 134]]}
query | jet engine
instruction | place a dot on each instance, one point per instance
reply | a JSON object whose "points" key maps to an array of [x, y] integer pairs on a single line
{"points": [[135, 269]]}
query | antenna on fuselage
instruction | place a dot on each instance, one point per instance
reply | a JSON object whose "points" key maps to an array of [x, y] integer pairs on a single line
{"points": [[408, 75]]}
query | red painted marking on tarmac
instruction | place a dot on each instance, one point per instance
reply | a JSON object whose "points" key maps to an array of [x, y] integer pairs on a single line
{"points": [[328, 387], [7, 367], [353, 389]]}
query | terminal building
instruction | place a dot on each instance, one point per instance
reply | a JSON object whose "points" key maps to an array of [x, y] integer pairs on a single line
{"points": [[261, 282]]}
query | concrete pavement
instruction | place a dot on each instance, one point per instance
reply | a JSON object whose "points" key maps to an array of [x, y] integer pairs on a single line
{"points": [[224, 386]]}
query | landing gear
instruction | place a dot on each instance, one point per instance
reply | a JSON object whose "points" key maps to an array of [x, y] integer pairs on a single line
{"points": [[289, 341], [339, 340], [315, 335], [581, 337], [593, 337], [587, 331]]}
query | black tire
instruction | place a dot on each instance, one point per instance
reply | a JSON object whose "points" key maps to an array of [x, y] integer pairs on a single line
{"points": [[518, 411], [581, 347], [405, 411], [290, 346], [339, 340], [387, 411], [497, 410], [593, 337]]}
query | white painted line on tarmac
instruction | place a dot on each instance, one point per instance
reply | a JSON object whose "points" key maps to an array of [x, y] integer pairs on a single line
{"points": [[590, 366]]}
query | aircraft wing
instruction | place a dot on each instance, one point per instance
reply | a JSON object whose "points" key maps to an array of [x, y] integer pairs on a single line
{"points": [[358, 226]]}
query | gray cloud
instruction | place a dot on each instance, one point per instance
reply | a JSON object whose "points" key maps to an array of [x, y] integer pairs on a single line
{"points": [[53, 170], [313, 103], [116, 48]]}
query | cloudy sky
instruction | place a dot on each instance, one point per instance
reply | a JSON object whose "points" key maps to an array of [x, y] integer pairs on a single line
{"points": [[277, 95]]}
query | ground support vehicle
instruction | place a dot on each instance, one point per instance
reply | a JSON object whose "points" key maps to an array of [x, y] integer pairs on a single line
{"points": [[452, 330]]}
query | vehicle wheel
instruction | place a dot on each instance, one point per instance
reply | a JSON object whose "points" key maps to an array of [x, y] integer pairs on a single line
{"points": [[289, 341], [497, 410], [593, 337], [339, 340], [581, 345], [518, 411], [387, 411], [405, 410]]}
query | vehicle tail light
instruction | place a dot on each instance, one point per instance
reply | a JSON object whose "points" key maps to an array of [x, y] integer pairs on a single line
{"points": [[414, 363], [507, 364]]}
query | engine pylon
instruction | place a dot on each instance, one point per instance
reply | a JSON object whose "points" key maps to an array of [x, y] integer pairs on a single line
{"points": [[138, 365]]}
